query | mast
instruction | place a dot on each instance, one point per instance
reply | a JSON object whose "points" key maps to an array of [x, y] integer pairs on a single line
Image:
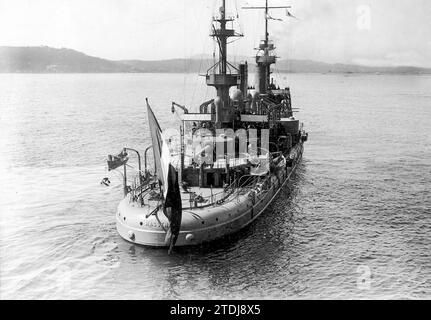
{"points": [[223, 39], [223, 75], [264, 56], [266, 23]]}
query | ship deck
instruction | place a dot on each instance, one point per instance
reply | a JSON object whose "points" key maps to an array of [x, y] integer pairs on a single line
{"points": [[202, 196], [219, 163]]}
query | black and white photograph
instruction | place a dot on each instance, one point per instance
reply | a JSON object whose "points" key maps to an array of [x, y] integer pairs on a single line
{"points": [[189, 150]]}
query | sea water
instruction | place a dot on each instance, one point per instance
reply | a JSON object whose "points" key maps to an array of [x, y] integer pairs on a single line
{"points": [[355, 221]]}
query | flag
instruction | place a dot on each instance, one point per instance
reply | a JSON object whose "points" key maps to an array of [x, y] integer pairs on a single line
{"points": [[159, 147], [168, 179], [271, 18], [117, 161], [290, 15], [172, 207]]}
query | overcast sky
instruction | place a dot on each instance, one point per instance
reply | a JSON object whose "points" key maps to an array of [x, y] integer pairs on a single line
{"points": [[373, 32]]}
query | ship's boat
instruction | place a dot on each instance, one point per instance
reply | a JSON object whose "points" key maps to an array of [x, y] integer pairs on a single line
{"points": [[227, 162]]}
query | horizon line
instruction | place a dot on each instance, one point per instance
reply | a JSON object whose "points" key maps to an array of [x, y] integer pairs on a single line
{"points": [[208, 56]]}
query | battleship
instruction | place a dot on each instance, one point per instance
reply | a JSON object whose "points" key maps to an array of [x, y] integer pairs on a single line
{"points": [[227, 162]]}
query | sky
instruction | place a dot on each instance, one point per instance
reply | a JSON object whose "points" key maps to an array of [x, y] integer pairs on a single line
{"points": [[368, 32]]}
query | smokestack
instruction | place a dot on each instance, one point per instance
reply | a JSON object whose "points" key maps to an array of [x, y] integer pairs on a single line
{"points": [[243, 71]]}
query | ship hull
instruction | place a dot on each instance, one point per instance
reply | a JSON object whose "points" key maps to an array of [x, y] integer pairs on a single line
{"points": [[204, 224]]}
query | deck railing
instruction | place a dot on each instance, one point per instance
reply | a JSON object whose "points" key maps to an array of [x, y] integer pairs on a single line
{"points": [[141, 189]]}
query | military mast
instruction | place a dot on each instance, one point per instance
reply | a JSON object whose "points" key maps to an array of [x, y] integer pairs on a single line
{"points": [[223, 75], [265, 56]]}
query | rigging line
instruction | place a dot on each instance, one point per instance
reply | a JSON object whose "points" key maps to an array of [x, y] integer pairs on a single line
{"points": [[191, 52], [239, 20], [218, 41], [178, 115], [234, 49], [214, 52], [234, 40], [197, 78], [200, 63], [214, 47], [237, 23], [184, 52]]}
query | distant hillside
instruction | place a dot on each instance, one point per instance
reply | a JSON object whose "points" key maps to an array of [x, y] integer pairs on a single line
{"points": [[51, 60], [171, 65], [298, 66], [293, 66]]}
